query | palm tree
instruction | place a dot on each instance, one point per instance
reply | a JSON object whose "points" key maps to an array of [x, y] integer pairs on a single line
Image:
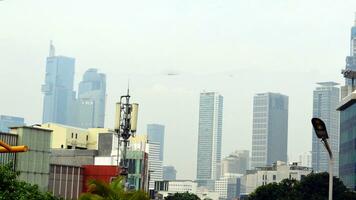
{"points": [[99, 190]]}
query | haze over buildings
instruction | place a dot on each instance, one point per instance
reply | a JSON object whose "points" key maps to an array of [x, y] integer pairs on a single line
{"points": [[9, 121], [155, 133], [196, 39]]}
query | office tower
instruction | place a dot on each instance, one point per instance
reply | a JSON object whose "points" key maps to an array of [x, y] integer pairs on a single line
{"points": [[90, 106], [58, 88], [155, 133], [169, 173], [305, 159], [9, 121], [325, 101], [155, 167], [270, 129], [347, 108], [209, 137], [235, 163]]}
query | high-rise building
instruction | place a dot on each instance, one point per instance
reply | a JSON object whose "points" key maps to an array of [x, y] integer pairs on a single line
{"points": [[90, 105], [325, 101], [155, 133], [9, 121], [58, 88], [270, 129], [347, 108], [305, 159], [209, 137], [235, 163], [155, 166], [169, 173]]}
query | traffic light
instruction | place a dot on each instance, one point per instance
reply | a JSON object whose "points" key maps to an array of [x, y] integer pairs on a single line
{"points": [[5, 148]]}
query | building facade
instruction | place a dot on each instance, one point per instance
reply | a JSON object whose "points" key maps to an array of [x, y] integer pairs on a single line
{"points": [[11, 139], [272, 174], [305, 159], [347, 162], [169, 173], [65, 181], [270, 129], [155, 133], [58, 89], [235, 163], [155, 165], [90, 105], [8, 121], [325, 101], [228, 186], [33, 165], [209, 137]]}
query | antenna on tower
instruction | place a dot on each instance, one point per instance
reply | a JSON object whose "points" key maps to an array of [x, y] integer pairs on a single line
{"points": [[128, 87], [51, 49]]}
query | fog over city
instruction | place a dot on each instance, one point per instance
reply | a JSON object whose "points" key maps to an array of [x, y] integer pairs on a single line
{"points": [[170, 51]]}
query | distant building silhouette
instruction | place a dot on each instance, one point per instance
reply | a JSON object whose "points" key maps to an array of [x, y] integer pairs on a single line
{"points": [[270, 129], [90, 105], [10, 121], [169, 173], [58, 88]]}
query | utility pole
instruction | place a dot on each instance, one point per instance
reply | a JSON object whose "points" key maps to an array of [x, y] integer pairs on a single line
{"points": [[125, 127]]}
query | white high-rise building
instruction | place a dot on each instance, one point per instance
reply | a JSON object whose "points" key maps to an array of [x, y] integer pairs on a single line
{"points": [[270, 129], [209, 137], [155, 165], [305, 159], [325, 101]]}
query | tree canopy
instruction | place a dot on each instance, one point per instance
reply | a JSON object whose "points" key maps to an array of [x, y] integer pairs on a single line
{"points": [[100, 190], [312, 187], [183, 196], [11, 188]]}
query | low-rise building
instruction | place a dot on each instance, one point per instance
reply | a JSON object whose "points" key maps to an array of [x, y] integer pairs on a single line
{"points": [[65, 181], [228, 186], [69, 137], [33, 165], [73, 157], [272, 174], [168, 188], [11, 139]]}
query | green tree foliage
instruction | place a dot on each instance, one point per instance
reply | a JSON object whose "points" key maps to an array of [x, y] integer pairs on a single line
{"points": [[99, 190], [182, 196], [311, 187], [11, 188]]}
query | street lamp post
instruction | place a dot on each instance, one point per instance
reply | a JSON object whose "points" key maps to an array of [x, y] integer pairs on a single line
{"points": [[321, 133]]}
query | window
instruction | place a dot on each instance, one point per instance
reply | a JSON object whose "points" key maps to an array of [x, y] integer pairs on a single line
{"points": [[274, 177], [72, 135], [87, 138], [76, 136]]}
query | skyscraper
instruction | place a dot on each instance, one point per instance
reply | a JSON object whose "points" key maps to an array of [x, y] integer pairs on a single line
{"points": [[347, 108], [209, 137], [9, 121], [325, 101], [58, 88], [155, 165], [270, 129], [155, 133], [90, 106], [235, 163]]}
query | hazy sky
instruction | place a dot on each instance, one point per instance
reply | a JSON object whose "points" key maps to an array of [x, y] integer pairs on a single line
{"points": [[234, 47]]}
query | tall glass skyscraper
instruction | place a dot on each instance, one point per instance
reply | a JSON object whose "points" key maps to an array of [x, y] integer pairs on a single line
{"points": [[270, 129], [325, 101], [58, 88], [209, 137], [155, 133], [90, 106]]}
